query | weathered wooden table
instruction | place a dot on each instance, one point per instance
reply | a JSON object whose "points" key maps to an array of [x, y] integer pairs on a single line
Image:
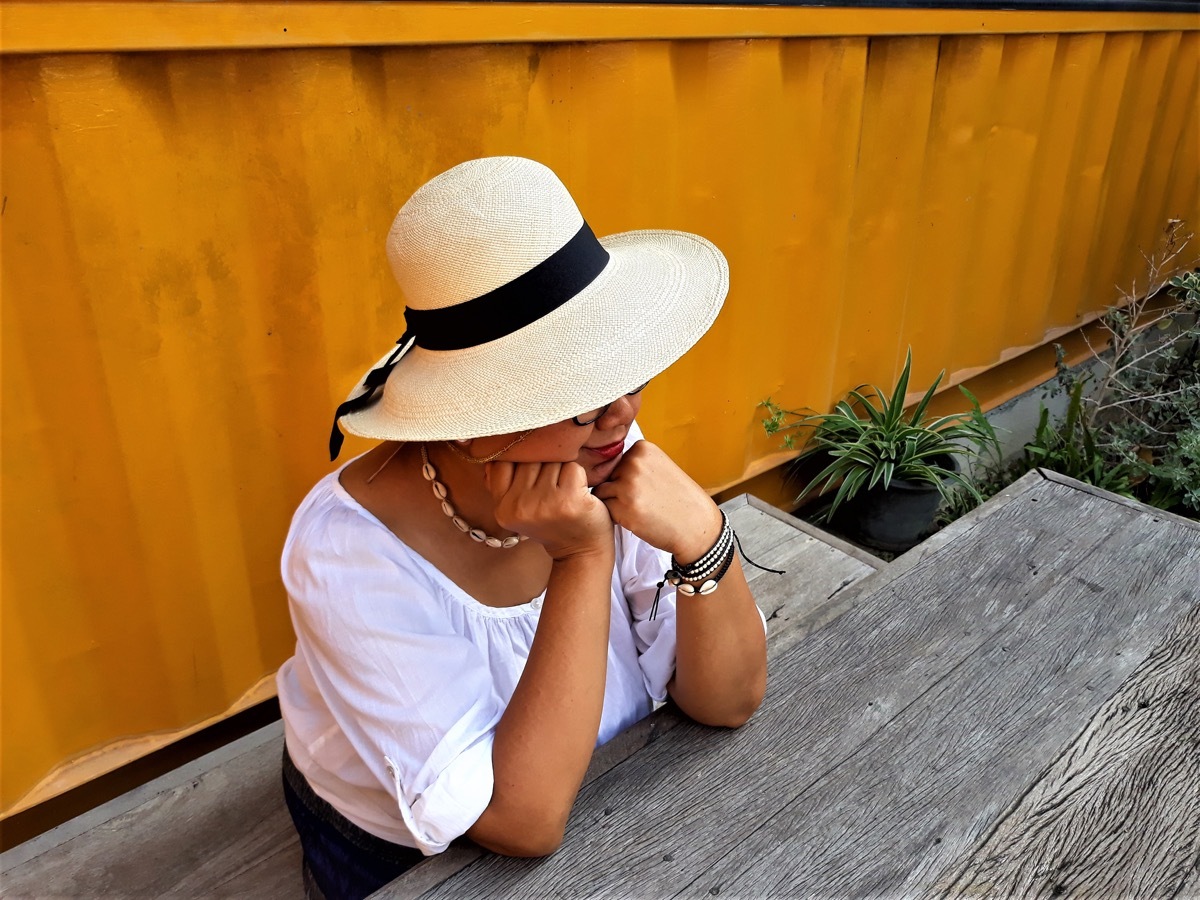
{"points": [[1011, 710]]}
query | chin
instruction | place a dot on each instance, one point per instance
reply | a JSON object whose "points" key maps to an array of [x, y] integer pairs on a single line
{"points": [[597, 475]]}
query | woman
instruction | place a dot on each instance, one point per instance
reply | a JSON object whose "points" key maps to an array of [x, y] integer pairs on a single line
{"points": [[480, 600]]}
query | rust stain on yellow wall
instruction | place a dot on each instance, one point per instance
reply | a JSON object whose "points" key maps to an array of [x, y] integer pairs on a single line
{"points": [[193, 276]]}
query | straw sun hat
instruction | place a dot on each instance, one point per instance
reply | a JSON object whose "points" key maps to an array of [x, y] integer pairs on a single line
{"points": [[517, 316]]}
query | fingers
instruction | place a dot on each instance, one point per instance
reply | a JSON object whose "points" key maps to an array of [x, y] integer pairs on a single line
{"points": [[503, 477], [546, 477], [606, 490], [525, 475], [572, 477], [498, 476], [613, 496]]}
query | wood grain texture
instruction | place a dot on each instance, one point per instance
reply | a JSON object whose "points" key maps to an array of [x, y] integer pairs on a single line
{"points": [[1118, 812], [1190, 889], [818, 569], [887, 822], [811, 530], [1151, 511], [223, 831], [700, 795]]}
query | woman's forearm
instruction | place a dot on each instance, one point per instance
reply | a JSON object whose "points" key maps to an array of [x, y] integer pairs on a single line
{"points": [[721, 650], [721, 653], [545, 738]]}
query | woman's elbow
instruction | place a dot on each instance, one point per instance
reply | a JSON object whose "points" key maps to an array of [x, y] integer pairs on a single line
{"points": [[522, 842], [519, 836], [733, 710], [534, 846], [732, 716], [738, 717]]}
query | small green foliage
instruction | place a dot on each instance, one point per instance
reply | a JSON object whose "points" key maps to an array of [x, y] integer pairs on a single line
{"points": [[870, 440], [1174, 480], [1186, 289], [1069, 448]]}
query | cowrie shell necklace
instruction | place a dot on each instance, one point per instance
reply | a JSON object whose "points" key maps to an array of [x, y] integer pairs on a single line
{"points": [[476, 534]]}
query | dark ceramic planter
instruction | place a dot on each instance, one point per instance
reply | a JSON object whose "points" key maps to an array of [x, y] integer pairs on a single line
{"points": [[894, 520]]}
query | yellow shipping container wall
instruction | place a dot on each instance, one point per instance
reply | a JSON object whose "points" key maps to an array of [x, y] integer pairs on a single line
{"points": [[193, 276]]}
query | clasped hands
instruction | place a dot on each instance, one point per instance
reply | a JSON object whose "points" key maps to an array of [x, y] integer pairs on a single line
{"points": [[646, 494]]}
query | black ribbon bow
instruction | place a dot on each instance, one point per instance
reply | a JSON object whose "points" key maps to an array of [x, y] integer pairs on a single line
{"points": [[371, 385]]}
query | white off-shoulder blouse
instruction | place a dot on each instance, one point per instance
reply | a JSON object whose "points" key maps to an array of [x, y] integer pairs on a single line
{"points": [[391, 701]]}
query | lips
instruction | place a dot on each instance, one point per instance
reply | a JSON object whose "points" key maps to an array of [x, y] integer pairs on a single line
{"points": [[609, 451]]}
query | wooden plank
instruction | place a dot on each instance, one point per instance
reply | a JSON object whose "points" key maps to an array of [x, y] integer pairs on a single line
{"points": [[818, 576], [1118, 813], [1190, 889], [917, 794], [1152, 511], [811, 530], [216, 827], [697, 794], [766, 532], [760, 531], [764, 537], [819, 613], [436, 869], [821, 567], [1026, 489], [172, 780], [803, 618]]}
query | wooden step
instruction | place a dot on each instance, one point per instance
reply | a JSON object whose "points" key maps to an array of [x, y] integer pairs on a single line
{"points": [[216, 827], [830, 565]]}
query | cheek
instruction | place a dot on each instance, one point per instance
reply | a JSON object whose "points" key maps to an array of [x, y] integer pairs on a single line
{"points": [[557, 444]]}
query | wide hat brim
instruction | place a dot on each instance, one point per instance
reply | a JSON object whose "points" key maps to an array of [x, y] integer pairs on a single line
{"points": [[656, 297]]}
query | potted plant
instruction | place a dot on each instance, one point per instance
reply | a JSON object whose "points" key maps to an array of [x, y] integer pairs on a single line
{"points": [[892, 469]]}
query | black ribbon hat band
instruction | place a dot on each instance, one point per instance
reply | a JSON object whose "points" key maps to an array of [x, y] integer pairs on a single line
{"points": [[500, 312]]}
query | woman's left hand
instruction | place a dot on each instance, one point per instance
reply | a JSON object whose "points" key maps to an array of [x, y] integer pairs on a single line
{"points": [[655, 499], [720, 646]]}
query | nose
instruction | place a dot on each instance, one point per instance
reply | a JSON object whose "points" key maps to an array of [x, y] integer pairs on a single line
{"points": [[620, 413]]}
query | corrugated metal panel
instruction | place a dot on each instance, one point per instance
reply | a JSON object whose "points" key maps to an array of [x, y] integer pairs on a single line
{"points": [[193, 276]]}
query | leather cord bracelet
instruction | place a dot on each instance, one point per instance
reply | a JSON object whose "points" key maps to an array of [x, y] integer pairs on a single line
{"points": [[703, 575]]}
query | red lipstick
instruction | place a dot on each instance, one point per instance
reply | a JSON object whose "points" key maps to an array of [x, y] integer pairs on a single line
{"points": [[609, 451]]}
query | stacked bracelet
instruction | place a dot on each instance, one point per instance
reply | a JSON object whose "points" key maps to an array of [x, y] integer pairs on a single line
{"points": [[702, 576]]}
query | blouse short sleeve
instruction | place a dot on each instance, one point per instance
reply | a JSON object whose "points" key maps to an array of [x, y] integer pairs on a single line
{"points": [[414, 700], [641, 567]]}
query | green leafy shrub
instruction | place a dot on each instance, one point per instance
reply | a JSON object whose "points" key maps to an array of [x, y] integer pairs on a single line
{"points": [[1174, 481], [1132, 420], [1069, 448]]}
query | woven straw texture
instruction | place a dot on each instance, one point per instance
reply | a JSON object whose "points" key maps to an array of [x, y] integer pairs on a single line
{"points": [[479, 226]]}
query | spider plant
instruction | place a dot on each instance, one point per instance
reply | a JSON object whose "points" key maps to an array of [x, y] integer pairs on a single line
{"points": [[871, 441]]}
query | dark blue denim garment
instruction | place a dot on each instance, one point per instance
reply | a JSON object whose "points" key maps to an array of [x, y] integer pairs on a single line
{"points": [[341, 861]]}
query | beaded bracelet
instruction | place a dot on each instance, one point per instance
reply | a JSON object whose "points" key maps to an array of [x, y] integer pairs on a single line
{"points": [[703, 576], [709, 584], [698, 577], [711, 560]]}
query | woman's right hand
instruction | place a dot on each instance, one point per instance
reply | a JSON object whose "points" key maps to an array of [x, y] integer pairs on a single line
{"points": [[550, 503], [544, 739]]}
